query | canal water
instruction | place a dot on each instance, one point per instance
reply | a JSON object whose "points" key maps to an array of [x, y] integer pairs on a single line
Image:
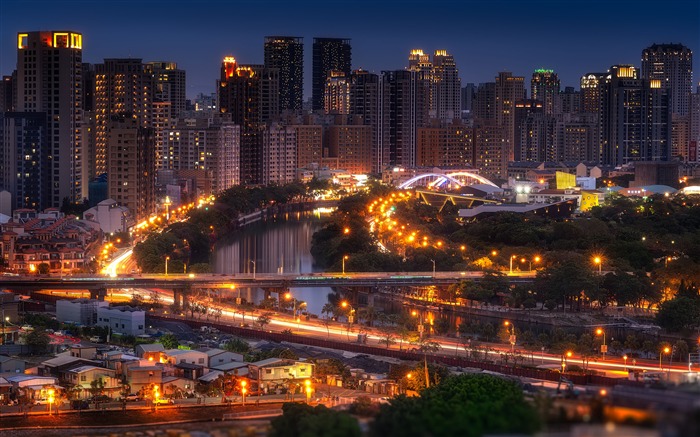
{"points": [[279, 246], [283, 245]]}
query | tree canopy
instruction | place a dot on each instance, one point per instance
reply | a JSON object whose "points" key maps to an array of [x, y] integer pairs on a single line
{"points": [[464, 405]]}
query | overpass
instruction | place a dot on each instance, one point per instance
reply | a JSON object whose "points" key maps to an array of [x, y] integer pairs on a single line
{"points": [[97, 285]]}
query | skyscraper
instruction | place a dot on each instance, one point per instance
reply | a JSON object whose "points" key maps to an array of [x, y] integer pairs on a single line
{"points": [[364, 102], [336, 97], [509, 90], [672, 64], [49, 81], [404, 109], [544, 87], [131, 164], [122, 86], [328, 54], [635, 118], [24, 165], [286, 53], [446, 100], [250, 93], [169, 84]]}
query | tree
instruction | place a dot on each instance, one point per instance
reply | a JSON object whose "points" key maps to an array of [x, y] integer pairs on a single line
{"points": [[328, 311], [38, 340], [299, 420], [264, 319], [679, 313], [169, 341], [465, 405]]}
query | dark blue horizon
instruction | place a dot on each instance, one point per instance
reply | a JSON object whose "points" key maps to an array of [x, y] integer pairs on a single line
{"points": [[572, 37]]}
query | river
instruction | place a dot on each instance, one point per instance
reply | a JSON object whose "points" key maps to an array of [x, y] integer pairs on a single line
{"points": [[274, 246]]}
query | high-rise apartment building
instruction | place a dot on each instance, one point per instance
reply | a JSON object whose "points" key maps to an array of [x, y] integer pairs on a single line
{"points": [[350, 143], [286, 53], [544, 87], [205, 141], [169, 85], [484, 106], [336, 97], [445, 144], [328, 54], [509, 90], [635, 118], [250, 94], [279, 154], [672, 64], [131, 165], [694, 135], [446, 93], [364, 103], [49, 81], [404, 108], [25, 168], [122, 86]]}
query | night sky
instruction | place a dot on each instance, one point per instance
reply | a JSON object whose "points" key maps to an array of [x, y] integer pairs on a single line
{"points": [[572, 37]]}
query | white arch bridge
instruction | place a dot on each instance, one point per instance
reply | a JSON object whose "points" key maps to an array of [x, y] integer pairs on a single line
{"points": [[433, 180]]}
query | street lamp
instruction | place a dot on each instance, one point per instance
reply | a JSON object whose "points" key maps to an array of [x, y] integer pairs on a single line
{"points": [[512, 257], [564, 360], [536, 260], [252, 262], [51, 399], [344, 258], [598, 260], [512, 335], [167, 258], [666, 350], [345, 304], [603, 347], [624, 357], [433, 261], [307, 383], [244, 390], [415, 313]]}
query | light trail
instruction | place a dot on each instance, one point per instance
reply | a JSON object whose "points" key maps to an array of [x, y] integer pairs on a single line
{"points": [[111, 268]]}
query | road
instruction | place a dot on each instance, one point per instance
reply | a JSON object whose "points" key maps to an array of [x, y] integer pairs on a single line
{"points": [[611, 366]]}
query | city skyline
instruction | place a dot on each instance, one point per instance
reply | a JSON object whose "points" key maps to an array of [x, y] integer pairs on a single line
{"points": [[572, 39]]}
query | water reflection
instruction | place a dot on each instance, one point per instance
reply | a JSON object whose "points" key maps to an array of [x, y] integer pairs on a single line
{"points": [[279, 246]]}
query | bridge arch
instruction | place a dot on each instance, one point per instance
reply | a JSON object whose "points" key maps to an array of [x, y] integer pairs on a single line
{"points": [[439, 179]]}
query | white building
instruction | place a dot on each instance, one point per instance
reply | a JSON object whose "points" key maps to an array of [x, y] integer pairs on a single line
{"points": [[79, 311], [123, 320], [179, 356], [109, 216]]}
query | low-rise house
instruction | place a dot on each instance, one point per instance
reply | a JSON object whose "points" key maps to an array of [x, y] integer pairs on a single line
{"points": [[217, 356], [239, 369], [143, 378], [189, 370], [62, 362], [11, 365], [272, 372], [81, 351], [149, 351], [177, 387], [179, 356], [35, 387], [83, 377]]}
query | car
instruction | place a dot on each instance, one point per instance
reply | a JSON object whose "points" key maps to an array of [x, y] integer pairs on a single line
{"points": [[163, 401], [132, 397], [41, 401]]}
